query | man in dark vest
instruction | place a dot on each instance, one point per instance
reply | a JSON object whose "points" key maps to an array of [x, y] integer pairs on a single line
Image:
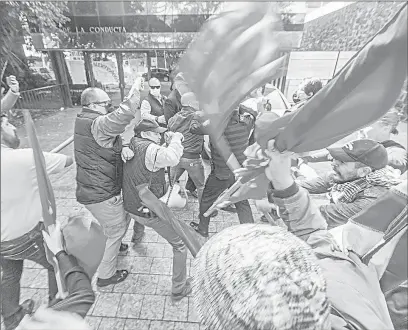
{"points": [[152, 105], [98, 148], [147, 166]]}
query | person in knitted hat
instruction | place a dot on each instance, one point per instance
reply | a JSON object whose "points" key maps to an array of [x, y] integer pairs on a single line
{"points": [[262, 277], [259, 277]]}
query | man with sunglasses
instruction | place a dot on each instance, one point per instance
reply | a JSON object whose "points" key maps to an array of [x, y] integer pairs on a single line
{"points": [[152, 105], [98, 148]]}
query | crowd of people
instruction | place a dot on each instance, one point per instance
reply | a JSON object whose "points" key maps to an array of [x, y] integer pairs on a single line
{"points": [[252, 276]]}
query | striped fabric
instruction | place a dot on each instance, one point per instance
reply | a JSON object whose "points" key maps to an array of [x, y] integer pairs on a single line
{"points": [[237, 135]]}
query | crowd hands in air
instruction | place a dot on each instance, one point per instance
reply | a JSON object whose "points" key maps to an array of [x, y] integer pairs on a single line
{"points": [[309, 272]]}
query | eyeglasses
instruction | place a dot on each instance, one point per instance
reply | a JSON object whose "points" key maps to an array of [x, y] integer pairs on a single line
{"points": [[154, 87]]}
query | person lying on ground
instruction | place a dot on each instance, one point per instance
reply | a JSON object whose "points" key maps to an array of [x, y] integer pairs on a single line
{"points": [[380, 131], [257, 276], [360, 175]]}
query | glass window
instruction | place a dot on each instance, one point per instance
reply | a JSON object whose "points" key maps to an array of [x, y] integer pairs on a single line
{"points": [[137, 23], [110, 8], [135, 7], [85, 8]]}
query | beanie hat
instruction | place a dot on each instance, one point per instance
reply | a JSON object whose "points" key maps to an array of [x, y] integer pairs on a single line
{"points": [[257, 276]]}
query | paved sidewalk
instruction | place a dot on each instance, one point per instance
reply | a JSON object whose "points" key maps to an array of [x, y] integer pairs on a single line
{"points": [[142, 301]]}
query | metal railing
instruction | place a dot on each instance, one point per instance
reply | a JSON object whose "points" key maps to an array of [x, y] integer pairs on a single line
{"points": [[48, 97]]}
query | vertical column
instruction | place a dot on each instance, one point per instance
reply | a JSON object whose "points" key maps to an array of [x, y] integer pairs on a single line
{"points": [[61, 75], [148, 66], [90, 78], [119, 60]]}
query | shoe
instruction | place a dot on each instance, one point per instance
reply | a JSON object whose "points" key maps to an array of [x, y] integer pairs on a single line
{"points": [[195, 226], [137, 237], [184, 293], [123, 247], [28, 306], [264, 219], [193, 193], [119, 276], [230, 209]]}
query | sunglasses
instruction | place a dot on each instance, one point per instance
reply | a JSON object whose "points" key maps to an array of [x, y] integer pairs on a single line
{"points": [[154, 87]]}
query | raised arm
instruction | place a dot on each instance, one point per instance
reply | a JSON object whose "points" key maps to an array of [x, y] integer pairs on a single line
{"points": [[297, 210], [106, 128]]}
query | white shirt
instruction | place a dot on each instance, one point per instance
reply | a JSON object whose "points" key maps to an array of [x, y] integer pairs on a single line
{"points": [[166, 156], [146, 109], [20, 199]]}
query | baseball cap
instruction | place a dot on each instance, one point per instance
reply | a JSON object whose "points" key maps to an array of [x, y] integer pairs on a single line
{"points": [[368, 152], [148, 125]]}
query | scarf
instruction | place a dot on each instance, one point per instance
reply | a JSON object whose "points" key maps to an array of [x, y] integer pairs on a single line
{"points": [[348, 191]]}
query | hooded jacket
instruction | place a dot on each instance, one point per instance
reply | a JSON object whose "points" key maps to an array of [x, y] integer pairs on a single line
{"points": [[183, 122]]}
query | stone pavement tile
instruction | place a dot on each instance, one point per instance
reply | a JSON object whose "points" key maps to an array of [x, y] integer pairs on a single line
{"points": [[150, 236], [93, 305], [186, 326], [192, 313], [155, 250], [40, 298], [132, 324], [168, 251], [175, 311], [164, 285], [161, 325], [230, 217], [125, 262], [142, 265], [27, 293], [129, 285], [93, 321], [112, 323], [107, 304], [138, 250], [223, 225], [28, 276], [147, 284], [153, 307], [162, 266], [41, 280], [130, 306], [185, 215], [31, 264]]}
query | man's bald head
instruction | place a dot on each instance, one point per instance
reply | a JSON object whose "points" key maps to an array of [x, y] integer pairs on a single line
{"points": [[94, 95], [154, 82]]}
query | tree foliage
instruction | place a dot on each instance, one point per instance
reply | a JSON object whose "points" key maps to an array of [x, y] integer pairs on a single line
{"points": [[16, 20]]}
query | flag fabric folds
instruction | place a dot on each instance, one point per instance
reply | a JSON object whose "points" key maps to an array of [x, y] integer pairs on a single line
{"points": [[363, 91], [234, 53]]}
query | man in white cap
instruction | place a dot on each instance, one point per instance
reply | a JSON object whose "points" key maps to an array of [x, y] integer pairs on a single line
{"points": [[152, 105]]}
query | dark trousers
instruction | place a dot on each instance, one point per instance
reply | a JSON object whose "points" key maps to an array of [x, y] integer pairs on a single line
{"points": [[213, 188], [12, 255]]}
